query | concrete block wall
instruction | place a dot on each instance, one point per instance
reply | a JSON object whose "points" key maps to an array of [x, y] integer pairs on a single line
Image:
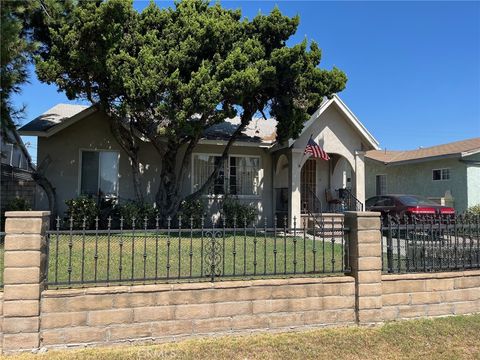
{"points": [[165, 312], [35, 317], [24, 270], [410, 296], [366, 264]]}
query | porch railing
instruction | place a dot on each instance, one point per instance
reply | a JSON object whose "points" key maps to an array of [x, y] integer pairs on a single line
{"points": [[429, 244], [141, 251], [312, 204], [349, 201]]}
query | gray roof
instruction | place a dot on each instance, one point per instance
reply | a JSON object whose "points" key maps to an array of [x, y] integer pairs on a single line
{"points": [[52, 117], [259, 130]]}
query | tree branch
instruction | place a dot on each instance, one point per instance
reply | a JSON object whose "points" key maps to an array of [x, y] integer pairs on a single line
{"points": [[245, 120]]}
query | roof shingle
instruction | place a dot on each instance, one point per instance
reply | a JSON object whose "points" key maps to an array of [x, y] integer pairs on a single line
{"points": [[453, 148], [53, 116]]}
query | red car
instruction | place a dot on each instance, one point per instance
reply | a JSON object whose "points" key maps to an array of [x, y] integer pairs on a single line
{"points": [[406, 205]]}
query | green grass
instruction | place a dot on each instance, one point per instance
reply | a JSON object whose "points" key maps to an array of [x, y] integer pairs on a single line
{"points": [[439, 339], [254, 256]]}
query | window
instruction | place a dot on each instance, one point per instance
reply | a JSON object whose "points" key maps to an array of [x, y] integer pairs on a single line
{"points": [[381, 184], [99, 173], [203, 166], [238, 176], [385, 201], [243, 175], [440, 174]]}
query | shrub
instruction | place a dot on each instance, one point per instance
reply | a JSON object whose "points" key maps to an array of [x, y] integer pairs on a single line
{"points": [[81, 208], [473, 211], [138, 211], [194, 210], [18, 204], [244, 213]]}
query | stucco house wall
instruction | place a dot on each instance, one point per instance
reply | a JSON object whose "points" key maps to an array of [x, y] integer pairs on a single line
{"points": [[416, 178], [473, 179], [92, 133], [263, 201]]}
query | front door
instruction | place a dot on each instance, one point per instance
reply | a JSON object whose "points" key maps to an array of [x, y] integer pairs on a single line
{"points": [[308, 182]]}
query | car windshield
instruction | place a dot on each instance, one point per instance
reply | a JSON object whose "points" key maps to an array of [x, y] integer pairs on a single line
{"points": [[411, 200]]}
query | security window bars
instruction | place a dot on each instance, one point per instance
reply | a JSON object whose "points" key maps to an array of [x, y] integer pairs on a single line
{"points": [[440, 174], [99, 174], [243, 175], [238, 176]]}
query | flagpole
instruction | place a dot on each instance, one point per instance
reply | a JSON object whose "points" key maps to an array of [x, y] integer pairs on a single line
{"points": [[303, 156]]}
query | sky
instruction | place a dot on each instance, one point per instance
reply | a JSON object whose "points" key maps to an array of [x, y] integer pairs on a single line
{"points": [[413, 68]]}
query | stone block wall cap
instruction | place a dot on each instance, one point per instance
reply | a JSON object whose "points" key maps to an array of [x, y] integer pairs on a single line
{"points": [[26, 214], [363, 213], [329, 215]]}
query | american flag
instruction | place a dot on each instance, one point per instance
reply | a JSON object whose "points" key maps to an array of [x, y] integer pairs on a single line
{"points": [[316, 150]]}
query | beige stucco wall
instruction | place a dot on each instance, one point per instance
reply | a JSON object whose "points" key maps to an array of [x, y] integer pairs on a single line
{"points": [[263, 202], [93, 133], [336, 135]]}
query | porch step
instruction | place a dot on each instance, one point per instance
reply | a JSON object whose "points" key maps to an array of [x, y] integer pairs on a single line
{"points": [[326, 226]]}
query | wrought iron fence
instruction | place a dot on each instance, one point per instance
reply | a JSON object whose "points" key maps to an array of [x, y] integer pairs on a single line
{"points": [[429, 244], [144, 252]]}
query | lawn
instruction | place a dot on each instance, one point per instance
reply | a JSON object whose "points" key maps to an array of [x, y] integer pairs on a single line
{"points": [[146, 256], [443, 338]]}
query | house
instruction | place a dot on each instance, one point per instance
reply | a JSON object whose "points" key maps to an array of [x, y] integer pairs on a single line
{"points": [[448, 173], [16, 171], [278, 179]]}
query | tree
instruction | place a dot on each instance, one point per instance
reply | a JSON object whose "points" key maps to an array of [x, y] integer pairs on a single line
{"points": [[17, 47], [15, 53], [169, 74]]}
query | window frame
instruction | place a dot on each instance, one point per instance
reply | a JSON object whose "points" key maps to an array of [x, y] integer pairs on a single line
{"points": [[227, 175], [386, 178], [441, 174], [79, 181]]}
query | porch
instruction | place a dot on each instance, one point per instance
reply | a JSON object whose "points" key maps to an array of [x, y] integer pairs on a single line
{"points": [[306, 188]]}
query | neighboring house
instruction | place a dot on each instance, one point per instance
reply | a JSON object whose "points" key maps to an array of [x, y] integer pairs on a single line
{"points": [[448, 173], [16, 174], [276, 178]]}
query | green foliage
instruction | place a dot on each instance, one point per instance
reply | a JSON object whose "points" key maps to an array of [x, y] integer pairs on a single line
{"points": [[166, 67], [134, 211], [237, 213], [18, 204], [80, 209], [193, 210], [175, 71], [14, 56], [473, 211]]}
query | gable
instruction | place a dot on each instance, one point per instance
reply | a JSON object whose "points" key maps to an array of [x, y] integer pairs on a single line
{"points": [[370, 143]]}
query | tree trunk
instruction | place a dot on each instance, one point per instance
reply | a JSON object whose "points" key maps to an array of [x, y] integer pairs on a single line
{"points": [[167, 198], [246, 117], [43, 182], [126, 140]]}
